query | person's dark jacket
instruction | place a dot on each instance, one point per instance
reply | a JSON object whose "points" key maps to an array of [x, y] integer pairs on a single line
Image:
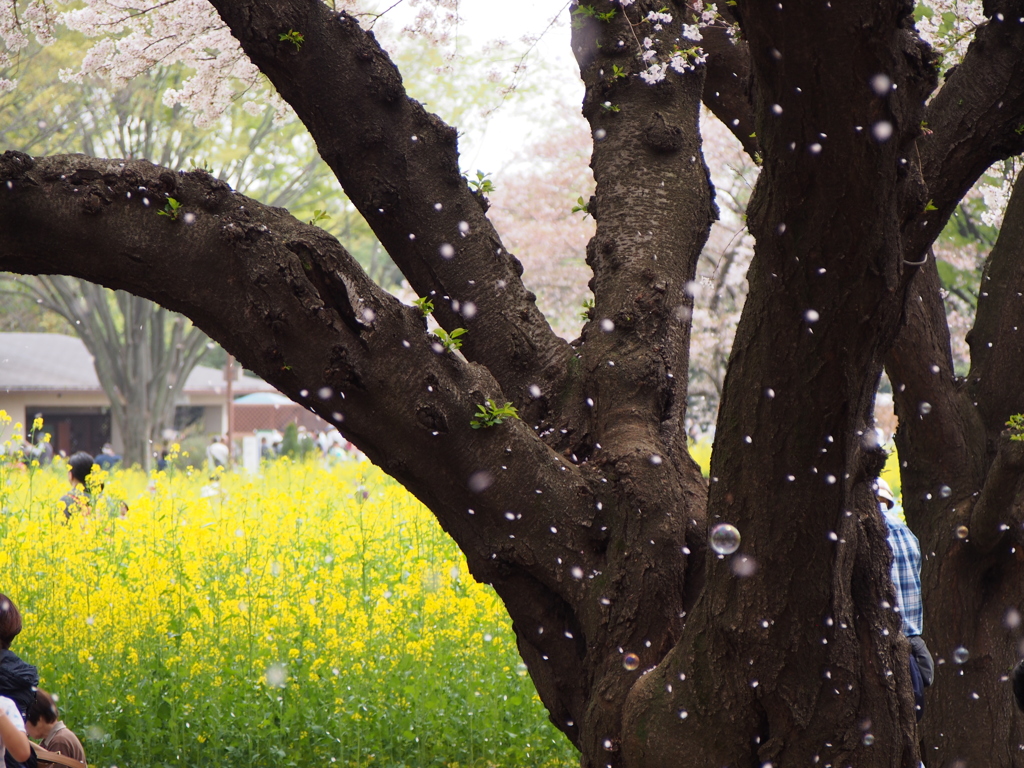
{"points": [[18, 680]]}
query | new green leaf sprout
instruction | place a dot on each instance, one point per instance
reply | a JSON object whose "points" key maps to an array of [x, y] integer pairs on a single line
{"points": [[491, 414]]}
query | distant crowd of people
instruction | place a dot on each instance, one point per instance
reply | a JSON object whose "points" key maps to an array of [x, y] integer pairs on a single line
{"points": [[27, 711]]}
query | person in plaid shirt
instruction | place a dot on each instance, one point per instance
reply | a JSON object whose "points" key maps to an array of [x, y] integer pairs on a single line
{"points": [[906, 577]]}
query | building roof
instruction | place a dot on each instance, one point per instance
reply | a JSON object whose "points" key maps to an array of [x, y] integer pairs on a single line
{"points": [[35, 362]]}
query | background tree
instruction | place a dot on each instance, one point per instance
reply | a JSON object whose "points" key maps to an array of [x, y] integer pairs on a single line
{"points": [[776, 644]]}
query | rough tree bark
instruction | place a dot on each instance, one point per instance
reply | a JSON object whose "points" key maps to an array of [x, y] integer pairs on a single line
{"points": [[588, 516]]}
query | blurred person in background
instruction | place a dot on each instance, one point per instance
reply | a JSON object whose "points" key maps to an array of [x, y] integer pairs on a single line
{"points": [[43, 724]]}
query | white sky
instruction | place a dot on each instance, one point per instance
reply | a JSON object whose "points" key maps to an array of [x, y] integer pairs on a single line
{"points": [[551, 69]]}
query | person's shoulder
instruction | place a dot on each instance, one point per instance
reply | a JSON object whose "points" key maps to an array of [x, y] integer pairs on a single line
{"points": [[67, 743], [9, 708]]}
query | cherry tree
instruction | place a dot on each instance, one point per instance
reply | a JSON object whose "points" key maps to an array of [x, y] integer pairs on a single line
{"points": [[665, 620]]}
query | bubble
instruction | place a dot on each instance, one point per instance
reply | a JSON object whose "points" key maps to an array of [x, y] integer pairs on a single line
{"points": [[324, 393], [724, 539], [469, 310], [924, 408], [534, 391], [607, 325], [962, 532], [776, 109], [1012, 618], [447, 251], [577, 572], [276, 675], [90, 620], [438, 206], [463, 228], [655, 459], [868, 739], [945, 491], [600, 134], [480, 481], [882, 131], [630, 662], [812, 316], [608, 744], [189, 217], [683, 714], [881, 84], [961, 655], [769, 393], [95, 733], [815, 148]]}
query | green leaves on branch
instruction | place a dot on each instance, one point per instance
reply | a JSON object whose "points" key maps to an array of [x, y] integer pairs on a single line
{"points": [[450, 341], [492, 414], [581, 207], [319, 216], [171, 209], [582, 12], [293, 37], [1016, 425], [482, 184], [588, 304], [425, 305]]}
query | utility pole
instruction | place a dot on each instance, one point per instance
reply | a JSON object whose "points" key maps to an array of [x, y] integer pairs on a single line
{"points": [[229, 376]]}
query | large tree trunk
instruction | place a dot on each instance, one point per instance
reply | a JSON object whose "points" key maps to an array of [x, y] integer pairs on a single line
{"points": [[588, 516]]}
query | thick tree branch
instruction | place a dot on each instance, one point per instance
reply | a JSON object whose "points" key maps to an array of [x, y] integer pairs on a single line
{"points": [[399, 166], [653, 209], [973, 121], [939, 429], [727, 88], [997, 339], [993, 515]]}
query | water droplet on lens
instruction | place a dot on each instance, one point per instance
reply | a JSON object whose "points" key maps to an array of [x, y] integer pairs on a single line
{"points": [[1012, 618], [276, 676], [724, 539], [743, 566], [480, 481]]}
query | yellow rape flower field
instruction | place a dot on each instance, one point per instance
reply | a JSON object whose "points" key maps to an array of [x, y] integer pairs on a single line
{"points": [[309, 616]]}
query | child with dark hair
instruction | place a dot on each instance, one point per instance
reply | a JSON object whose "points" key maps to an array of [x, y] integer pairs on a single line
{"points": [[17, 684], [42, 723], [79, 498]]}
